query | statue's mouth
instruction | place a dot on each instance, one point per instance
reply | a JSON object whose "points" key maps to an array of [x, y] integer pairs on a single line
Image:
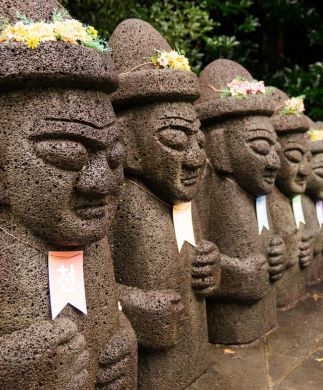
{"points": [[270, 180], [270, 176], [300, 181], [190, 179], [90, 209]]}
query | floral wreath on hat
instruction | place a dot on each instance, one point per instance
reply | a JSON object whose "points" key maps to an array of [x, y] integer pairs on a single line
{"points": [[61, 28], [241, 88], [172, 60], [293, 106], [315, 135], [163, 59]]}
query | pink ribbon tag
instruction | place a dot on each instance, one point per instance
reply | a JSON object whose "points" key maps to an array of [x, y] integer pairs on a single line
{"points": [[66, 281], [183, 224]]}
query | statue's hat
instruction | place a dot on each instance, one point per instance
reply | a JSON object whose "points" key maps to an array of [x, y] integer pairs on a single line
{"points": [[53, 63], [214, 106], [133, 43]]}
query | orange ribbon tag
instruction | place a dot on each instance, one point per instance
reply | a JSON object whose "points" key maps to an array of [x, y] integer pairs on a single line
{"points": [[183, 224], [66, 281]]}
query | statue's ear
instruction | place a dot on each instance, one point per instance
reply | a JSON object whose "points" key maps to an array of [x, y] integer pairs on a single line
{"points": [[3, 188], [217, 150], [132, 163]]}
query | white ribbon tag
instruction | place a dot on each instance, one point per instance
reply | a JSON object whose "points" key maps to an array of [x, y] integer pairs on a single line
{"points": [[319, 211], [262, 216], [298, 210], [66, 281], [183, 224]]}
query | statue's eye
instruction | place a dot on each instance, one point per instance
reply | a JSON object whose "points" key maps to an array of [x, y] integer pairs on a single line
{"points": [[293, 155], [201, 139], [260, 146], [318, 171], [174, 138], [116, 155], [64, 154]]}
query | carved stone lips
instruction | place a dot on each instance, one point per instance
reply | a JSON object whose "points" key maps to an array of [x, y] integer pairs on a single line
{"points": [[89, 209], [270, 177], [190, 180], [300, 180], [270, 180]]}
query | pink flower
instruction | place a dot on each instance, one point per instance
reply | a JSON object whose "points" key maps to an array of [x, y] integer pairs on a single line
{"points": [[239, 87]]}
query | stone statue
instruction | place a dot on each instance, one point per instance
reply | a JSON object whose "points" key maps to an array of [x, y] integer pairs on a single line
{"points": [[242, 151], [161, 289], [291, 181], [61, 174], [312, 203]]}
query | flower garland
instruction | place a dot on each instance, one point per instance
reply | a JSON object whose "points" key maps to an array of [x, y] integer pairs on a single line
{"points": [[293, 106], [315, 134], [61, 28], [171, 60], [241, 88]]}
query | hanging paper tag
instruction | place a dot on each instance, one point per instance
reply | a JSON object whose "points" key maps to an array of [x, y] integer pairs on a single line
{"points": [[261, 210], [183, 224], [319, 211], [298, 210], [66, 281]]}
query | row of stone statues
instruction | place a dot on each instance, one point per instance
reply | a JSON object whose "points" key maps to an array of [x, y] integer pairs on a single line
{"points": [[181, 197]]}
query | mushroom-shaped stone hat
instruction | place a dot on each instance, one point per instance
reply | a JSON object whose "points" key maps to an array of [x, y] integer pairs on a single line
{"points": [[289, 117], [316, 138], [214, 104], [133, 43], [53, 62]]}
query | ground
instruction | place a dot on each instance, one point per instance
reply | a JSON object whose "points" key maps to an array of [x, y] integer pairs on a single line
{"points": [[291, 358]]}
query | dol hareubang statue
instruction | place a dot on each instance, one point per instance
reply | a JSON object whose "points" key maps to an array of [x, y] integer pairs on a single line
{"points": [[243, 162], [161, 289], [312, 202], [61, 175], [285, 201]]}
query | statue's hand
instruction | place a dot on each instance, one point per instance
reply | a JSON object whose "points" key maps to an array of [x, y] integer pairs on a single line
{"points": [[156, 317], [206, 269], [49, 352], [306, 249], [276, 258], [118, 360]]}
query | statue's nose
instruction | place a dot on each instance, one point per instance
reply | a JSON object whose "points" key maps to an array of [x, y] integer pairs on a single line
{"points": [[195, 157], [97, 177]]}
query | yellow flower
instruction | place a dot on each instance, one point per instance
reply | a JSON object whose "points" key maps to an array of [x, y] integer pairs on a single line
{"points": [[32, 42], [16, 32], [92, 31], [316, 134], [180, 63], [44, 31], [172, 60], [75, 29], [64, 33], [295, 105]]}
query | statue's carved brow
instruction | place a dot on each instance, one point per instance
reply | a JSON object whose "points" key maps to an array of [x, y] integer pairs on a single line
{"points": [[180, 118], [78, 121], [260, 129]]}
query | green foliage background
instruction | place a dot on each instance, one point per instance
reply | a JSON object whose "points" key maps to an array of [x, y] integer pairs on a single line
{"points": [[280, 41]]}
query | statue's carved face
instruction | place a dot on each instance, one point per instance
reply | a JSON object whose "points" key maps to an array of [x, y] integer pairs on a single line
{"points": [[170, 145], [314, 183], [295, 164], [253, 150], [62, 161]]}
